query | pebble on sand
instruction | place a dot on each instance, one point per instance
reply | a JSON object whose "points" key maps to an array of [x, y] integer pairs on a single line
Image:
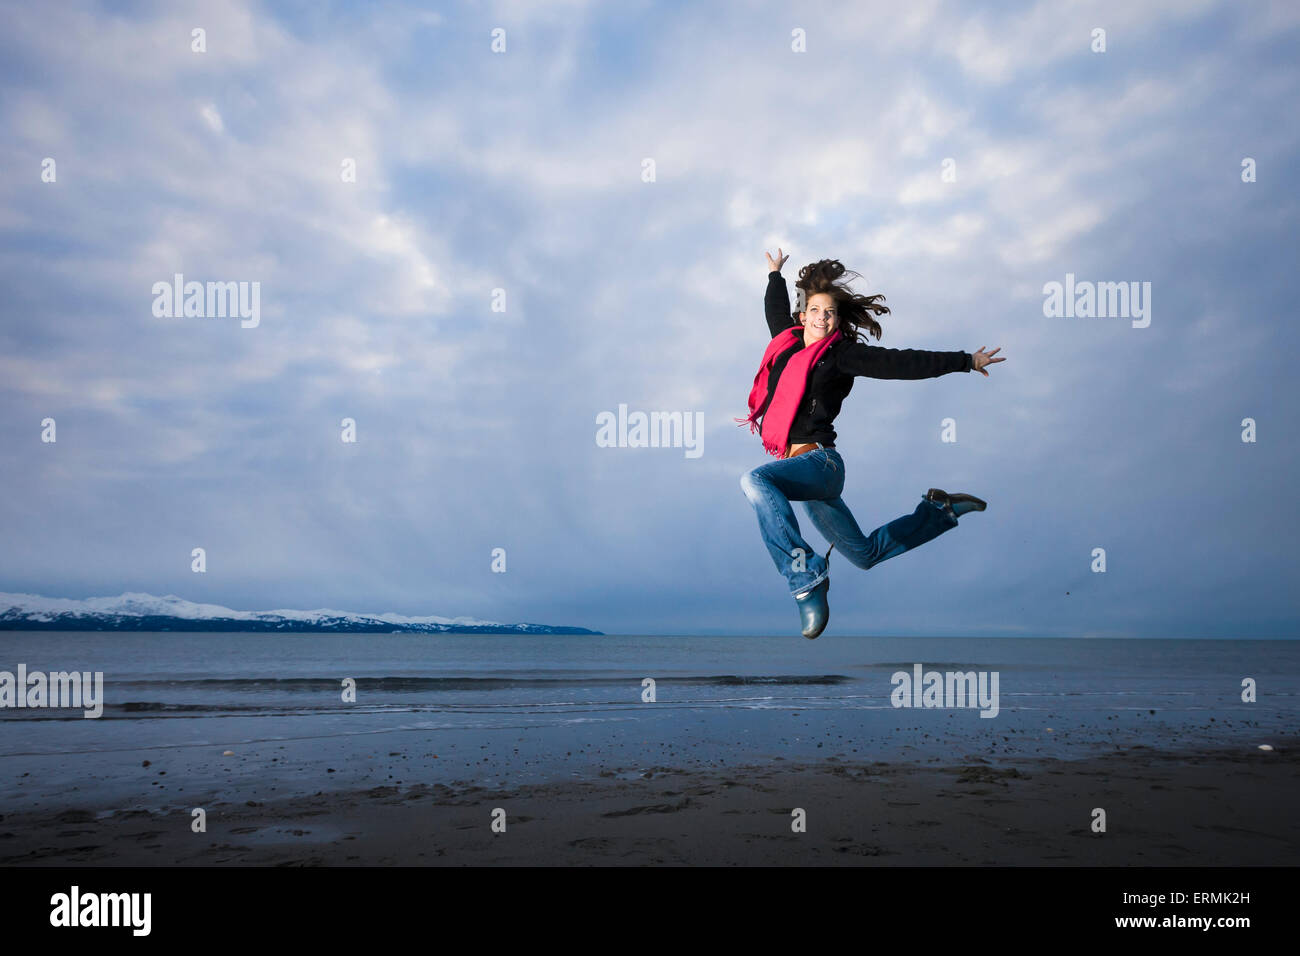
{"points": [[227, 753]]}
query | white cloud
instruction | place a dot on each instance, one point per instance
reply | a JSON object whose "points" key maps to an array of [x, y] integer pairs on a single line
{"points": [[213, 118]]}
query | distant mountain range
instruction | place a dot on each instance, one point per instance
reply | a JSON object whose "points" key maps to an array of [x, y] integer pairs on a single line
{"points": [[136, 611]]}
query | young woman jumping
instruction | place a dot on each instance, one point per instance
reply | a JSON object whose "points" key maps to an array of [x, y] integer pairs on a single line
{"points": [[806, 372]]}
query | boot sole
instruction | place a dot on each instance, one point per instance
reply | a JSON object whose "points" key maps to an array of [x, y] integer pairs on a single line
{"points": [[979, 503]]}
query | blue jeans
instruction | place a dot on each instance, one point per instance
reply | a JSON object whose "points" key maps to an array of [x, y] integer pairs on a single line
{"points": [[816, 478]]}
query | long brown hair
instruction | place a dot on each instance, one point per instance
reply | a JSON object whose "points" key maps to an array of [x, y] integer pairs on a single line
{"points": [[855, 313]]}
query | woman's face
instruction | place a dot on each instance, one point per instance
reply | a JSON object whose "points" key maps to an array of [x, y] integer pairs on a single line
{"points": [[820, 316]]}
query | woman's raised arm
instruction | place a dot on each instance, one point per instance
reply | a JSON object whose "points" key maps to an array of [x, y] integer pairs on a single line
{"points": [[776, 301]]}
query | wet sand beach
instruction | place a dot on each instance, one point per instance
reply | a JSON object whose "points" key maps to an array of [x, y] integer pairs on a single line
{"points": [[741, 734], [1207, 807]]}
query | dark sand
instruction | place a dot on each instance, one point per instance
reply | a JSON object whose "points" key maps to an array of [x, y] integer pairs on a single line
{"points": [[1195, 808]]}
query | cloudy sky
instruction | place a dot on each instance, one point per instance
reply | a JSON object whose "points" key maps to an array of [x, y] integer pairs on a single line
{"points": [[563, 207]]}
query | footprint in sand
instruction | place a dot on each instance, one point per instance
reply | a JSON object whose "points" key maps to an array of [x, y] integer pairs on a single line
{"points": [[863, 849]]}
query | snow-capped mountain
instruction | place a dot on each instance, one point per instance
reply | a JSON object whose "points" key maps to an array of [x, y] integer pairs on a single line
{"points": [[137, 611]]}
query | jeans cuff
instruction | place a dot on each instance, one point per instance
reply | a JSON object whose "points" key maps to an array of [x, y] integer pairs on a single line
{"points": [[816, 581]]}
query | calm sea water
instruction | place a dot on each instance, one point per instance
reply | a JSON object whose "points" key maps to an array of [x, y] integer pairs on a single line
{"points": [[498, 709]]}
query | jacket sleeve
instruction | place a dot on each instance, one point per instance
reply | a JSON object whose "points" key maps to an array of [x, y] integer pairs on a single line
{"points": [[872, 361], [776, 303]]}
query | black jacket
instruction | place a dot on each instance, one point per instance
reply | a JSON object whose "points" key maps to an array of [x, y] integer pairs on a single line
{"points": [[832, 376]]}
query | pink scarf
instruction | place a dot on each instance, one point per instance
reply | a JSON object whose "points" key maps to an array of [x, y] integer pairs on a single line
{"points": [[790, 387]]}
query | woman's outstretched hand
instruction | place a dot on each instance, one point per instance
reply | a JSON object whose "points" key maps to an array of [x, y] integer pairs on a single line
{"points": [[980, 358], [774, 265]]}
